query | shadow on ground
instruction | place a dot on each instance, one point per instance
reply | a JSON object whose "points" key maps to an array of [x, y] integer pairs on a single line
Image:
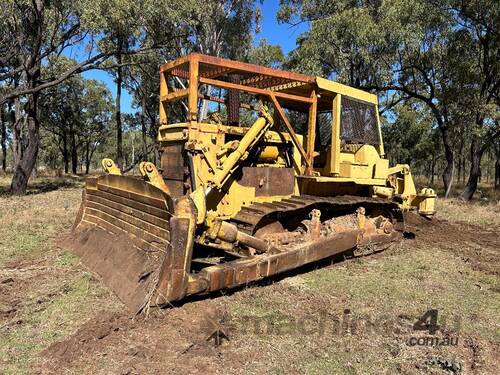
{"points": [[46, 184]]}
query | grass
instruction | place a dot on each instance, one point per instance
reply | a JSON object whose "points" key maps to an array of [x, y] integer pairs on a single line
{"points": [[383, 296], [482, 213], [483, 210], [353, 317], [42, 184], [411, 282], [32, 220], [50, 294], [43, 322]]}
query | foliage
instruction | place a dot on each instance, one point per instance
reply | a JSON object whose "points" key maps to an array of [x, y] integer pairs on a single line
{"points": [[434, 64], [408, 139], [266, 54], [442, 53], [76, 118]]}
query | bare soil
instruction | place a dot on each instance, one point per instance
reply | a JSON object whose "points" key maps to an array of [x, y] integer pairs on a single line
{"points": [[177, 339], [57, 317]]}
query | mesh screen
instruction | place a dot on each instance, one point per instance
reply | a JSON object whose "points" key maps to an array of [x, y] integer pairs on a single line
{"points": [[358, 122], [324, 128]]}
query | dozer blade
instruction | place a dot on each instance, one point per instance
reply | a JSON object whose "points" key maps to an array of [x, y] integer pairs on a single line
{"points": [[122, 232]]}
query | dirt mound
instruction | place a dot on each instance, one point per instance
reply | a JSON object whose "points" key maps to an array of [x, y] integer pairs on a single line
{"points": [[142, 344], [474, 244], [416, 221], [87, 338], [183, 339]]}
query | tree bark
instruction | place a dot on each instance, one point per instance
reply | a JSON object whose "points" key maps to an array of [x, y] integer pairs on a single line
{"points": [[119, 130], [143, 127], [476, 154], [461, 157], [17, 120], [463, 169], [65, 152], [87, 157], [450, 165], [3, 131], [497, 172], [433, 168], [496, 149], [74, 150], [26, 164]]}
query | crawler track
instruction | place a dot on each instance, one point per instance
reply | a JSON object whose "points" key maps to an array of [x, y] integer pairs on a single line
{"points": [[251, 218]]}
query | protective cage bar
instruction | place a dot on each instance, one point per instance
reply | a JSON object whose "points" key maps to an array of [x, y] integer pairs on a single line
{"points": [[285, 90]]}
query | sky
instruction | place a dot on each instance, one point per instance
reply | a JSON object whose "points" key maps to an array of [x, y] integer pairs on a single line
{"points": [[281, 34]]}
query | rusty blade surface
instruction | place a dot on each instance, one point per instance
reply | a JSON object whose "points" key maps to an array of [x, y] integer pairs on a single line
{"points": [[122, 233]]}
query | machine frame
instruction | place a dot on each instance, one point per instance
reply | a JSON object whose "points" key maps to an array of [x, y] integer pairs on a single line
{"points": [[349, 168]]}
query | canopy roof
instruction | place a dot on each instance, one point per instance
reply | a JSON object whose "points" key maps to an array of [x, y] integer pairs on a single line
{"points": [[294, 90]]}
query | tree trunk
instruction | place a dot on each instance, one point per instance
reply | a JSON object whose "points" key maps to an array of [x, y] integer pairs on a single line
{"points": [[488, 167], [497, 173], [143, 128], [496, 149], [118, 114], [74, 151], [133, 148], [17, 120], [3, 131], [26, 162], [450, 165], [463, 169], [460, 171], [87, 157], [433, 168], [65, 152], [461, 157], [24, 167], [476, 153]]}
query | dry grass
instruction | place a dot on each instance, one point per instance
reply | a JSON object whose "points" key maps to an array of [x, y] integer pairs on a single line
{"points": [[384, 297], [277, 328], [45, 293], [483, 213]]}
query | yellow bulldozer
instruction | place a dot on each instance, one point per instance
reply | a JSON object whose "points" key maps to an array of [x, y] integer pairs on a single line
{"points": [[268, 170]]}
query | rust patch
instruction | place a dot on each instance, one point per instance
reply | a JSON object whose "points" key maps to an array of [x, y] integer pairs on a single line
{"points": [[268, 181], [128, 270]]}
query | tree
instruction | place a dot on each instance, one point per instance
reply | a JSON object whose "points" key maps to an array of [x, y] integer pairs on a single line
{"points": [[3, 138], [33, 32], [132, 25], [475, 66], [266, 54], [406, 50], [97, 113], [62, 113], [219, 28], [408, 137], [77, 113], [496, 148]]}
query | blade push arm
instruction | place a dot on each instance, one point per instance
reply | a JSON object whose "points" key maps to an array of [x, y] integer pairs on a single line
{"points": [[249, 140]]}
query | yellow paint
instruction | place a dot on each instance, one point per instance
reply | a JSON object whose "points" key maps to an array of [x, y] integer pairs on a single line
{"points": [[218, 150], [338, 88], [150, 173], [333, 167], [110, 167], [251, 137]]}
